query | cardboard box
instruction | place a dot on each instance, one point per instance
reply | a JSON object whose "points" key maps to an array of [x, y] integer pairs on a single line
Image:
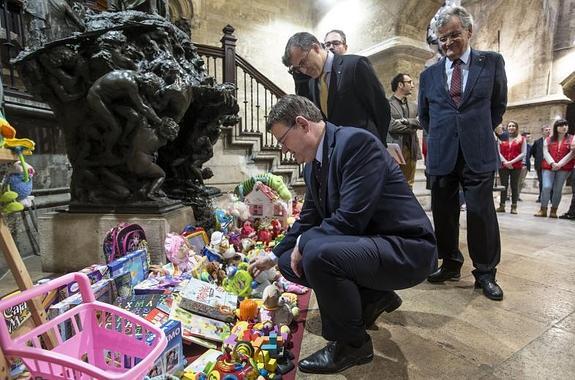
{"points": [[136, 263], [209, 300], [172, 360]]}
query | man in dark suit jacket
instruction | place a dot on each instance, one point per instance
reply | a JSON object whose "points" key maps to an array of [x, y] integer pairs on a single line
{"points": [[462, 99], [352, 96], [537, 154], [361, 234]]}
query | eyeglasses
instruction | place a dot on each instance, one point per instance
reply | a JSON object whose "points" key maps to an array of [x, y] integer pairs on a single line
{"points": [[407, 81], [300, 66], [451, 36], [282, 138], [329, 44]]}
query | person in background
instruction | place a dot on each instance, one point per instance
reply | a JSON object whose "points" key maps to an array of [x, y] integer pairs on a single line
{"points": [[462, 99], [570, 214], [526, 163], [344, 87], [557, 164], [404, 125], [511, 153], [335, 41], [537, 154]]}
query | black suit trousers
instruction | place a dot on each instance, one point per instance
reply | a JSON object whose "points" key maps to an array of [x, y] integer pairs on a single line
{"points": [[483, 239], [348, 272]]}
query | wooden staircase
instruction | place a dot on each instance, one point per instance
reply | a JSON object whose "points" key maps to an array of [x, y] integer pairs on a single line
{"points": [[256, 94]]}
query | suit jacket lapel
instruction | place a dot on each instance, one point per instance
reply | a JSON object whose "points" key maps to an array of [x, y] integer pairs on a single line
{"points": [[476, 65], [328, 145], [440, 75]]}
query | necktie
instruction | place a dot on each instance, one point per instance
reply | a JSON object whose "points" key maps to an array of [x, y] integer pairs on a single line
{"points": [[317, 171], [456, 83], [323, 93]]}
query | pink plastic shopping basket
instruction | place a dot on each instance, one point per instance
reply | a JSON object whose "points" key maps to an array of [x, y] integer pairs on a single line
{"points": [[104, 341]]}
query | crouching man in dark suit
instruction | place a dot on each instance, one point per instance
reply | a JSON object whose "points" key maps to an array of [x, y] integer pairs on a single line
{"points": [[361, 234]]}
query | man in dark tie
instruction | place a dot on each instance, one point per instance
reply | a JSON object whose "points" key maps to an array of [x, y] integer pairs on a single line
{"points": [[361, 234], [344, 87], [462, 99]]}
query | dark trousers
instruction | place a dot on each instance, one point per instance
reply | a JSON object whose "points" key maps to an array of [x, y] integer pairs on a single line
{"points": [[348, 272], [540, 181], [504, 176], [572, 206], [483, 238]]}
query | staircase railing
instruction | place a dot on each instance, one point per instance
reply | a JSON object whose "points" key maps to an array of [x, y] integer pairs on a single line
{"points": [[255, 92]]}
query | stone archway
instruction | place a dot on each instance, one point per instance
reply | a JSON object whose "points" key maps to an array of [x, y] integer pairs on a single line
{"points": [[568, 85], [181, 9]]}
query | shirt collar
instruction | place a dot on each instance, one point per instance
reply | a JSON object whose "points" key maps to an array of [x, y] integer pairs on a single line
{"points": [[464, 58], [328, 63], [401, 100]]}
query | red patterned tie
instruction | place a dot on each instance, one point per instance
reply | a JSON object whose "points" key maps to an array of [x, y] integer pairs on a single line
{"points": [[455, 89]]}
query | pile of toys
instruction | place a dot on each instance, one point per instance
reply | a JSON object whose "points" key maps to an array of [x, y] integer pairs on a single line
{"points": [[204, 295]]}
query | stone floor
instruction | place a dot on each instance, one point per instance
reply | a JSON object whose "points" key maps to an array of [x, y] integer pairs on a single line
{"points": [[453, 331]]}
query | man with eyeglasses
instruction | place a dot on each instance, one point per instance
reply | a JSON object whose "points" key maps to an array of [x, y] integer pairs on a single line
{"points": [[404, 124], [361, 233], [462, 99], [344, 87], [334, 40]]}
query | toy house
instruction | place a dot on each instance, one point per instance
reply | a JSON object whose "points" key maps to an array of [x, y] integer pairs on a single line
{"points": [[263, 202]]}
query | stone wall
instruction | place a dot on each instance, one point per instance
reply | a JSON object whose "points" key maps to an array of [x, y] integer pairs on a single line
{"points": [[262, 28]]}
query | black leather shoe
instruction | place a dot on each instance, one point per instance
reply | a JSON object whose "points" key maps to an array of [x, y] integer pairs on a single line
{"points": [[568, 215], [490, 289], [336, 357], [444, 274], [372, 311]]}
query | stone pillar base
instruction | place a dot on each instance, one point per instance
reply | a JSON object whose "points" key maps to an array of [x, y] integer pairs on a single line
{"points": [[72, 241]]}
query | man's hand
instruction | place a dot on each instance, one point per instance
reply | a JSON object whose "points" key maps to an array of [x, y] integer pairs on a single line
{"points": [[295, 260], [260, 264]]}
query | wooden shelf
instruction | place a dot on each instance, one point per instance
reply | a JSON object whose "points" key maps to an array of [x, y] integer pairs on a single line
{"points": [[6, 155]]}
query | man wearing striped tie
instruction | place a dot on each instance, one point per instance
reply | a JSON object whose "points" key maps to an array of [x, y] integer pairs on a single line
{"points": [[344, 87], [462, 99]]}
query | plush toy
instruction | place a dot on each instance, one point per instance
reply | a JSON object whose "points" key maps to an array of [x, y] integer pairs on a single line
{"points": [[262, 281], [273, 181], [17, 185], [213, 273], [236, 208], [274, 308], [247, 230], [290, 287]]}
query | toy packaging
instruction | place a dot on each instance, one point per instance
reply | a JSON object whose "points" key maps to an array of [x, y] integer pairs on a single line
{"points": [[123, 285], [94, 272], [141, 305], [204, 362], [199, 326], [172, 359], [136, 263], [103, 291], [209, 300]]}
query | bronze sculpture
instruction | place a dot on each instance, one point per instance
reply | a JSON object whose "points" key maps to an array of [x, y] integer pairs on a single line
{"points": [[136, 105]]}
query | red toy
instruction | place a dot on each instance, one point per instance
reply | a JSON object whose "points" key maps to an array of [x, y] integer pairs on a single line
{"points": [[247, 230]]}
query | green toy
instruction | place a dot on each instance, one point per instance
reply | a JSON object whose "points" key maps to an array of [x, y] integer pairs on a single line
{"points": [[275, 182]]}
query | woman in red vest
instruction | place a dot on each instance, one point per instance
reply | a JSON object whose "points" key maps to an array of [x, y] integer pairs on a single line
{"points": [[556, 166], [511, 151]]}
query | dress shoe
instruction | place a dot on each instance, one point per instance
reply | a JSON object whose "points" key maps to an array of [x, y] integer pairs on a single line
{"points": [[372, 311], [490, 289], [336, 357], [568, 215], [444, 274]]}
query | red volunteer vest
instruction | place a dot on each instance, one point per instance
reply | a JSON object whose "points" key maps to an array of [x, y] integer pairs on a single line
{"points": [[511, 149], [558, 151]]}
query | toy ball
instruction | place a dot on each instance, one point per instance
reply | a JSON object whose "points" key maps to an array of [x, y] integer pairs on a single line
{"points": [[255, 284], [231, 271]]}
